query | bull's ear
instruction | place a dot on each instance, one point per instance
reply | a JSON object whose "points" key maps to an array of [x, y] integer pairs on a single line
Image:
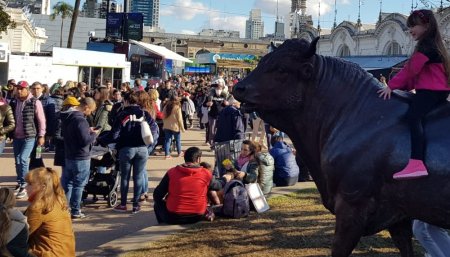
{"points": [[306, 71], [312, 48], [272, 47]]}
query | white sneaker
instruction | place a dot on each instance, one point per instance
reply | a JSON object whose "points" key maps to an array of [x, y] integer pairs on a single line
{"points": [[22, 193]]}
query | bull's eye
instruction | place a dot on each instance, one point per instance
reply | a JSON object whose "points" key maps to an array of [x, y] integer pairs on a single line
{"points": [[281, 70]]}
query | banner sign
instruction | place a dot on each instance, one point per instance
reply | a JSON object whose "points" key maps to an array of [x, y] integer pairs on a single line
{"points": [[134, 26]]}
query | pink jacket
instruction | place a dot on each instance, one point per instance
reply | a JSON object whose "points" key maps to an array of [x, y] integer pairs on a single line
{"points": [[419, 74]]}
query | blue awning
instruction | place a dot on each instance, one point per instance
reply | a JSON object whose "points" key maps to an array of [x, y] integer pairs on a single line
{"points": [[376, 62]]}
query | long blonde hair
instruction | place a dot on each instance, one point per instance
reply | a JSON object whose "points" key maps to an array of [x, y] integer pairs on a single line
{"points": [[7, 201], [49, 192]]}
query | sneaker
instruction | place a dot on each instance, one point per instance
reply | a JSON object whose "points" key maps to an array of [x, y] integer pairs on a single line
{"points": [[78, 216], [414, 169], [181, 154], [22, 193], [168, 157], [136, 209], [120, 208], [16, 189]]}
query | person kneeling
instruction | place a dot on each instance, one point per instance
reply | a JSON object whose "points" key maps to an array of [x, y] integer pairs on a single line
{"points": [[181, 196]]}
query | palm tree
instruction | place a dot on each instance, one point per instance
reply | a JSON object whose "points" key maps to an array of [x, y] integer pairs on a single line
{"points": [[73, 23], [64, 10]]}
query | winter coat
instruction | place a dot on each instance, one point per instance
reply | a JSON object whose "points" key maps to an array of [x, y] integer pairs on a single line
{"points": [[127, 133], [285, 164], [265, 171], [7, 121], [49, 106], [78, 137], [101, 116], [17, 236], [230, 125]]}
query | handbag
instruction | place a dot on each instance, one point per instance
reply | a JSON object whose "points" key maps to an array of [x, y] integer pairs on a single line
{"points": [[146, 132]]}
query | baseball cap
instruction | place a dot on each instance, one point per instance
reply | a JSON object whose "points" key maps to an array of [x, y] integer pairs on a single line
{"points": [[22, 84]]}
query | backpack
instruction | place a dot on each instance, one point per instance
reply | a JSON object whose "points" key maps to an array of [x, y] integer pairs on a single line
{"points": [[235, 200]]}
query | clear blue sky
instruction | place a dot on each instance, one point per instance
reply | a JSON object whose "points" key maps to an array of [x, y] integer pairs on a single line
{"points": [[191, 16]]}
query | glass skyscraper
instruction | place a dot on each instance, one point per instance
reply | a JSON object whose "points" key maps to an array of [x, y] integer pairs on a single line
{"points": [[150, 10]]}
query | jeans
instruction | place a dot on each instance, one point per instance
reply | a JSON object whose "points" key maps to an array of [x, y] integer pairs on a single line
{"points": [[129, 157], [168, 141], [212, 129], [74, 177], [2, 145], [435, 240], [22, 151]]}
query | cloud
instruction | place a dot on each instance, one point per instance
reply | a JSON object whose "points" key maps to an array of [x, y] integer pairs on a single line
{"points": [[284, 6], [228, 23], [188, 32], [184, 9]]}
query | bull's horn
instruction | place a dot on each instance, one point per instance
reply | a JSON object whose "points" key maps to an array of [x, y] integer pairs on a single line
{"points": [[312, 48]]}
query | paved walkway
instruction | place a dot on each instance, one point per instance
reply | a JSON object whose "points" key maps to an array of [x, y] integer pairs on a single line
{"points": [[107, 233]]}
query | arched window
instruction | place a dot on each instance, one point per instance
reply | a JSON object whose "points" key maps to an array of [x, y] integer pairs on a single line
{"points": [[343, 51], [202, 51], [393, 48]]}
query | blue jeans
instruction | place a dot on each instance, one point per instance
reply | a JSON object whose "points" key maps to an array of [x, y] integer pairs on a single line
{"points": [[74, 177], [2, 145], [435, 240], [129, 157], [168, 141], [22, 151]]}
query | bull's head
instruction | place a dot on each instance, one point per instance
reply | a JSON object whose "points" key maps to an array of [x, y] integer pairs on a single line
{"points": [[279, 80]]}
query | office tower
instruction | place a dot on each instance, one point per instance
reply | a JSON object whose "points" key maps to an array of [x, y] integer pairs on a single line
{"points": [[150, 10], [254, 26]]}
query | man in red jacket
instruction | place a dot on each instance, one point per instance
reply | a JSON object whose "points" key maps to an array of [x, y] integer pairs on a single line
{"points": [[181, 196]]}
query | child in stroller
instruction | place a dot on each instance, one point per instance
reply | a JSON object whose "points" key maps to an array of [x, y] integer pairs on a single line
{"points": [[105, 184]]}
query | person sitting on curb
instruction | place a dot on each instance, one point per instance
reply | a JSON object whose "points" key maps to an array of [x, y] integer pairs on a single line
{"points": [[14, 226], [181, 196], [51, 232], [286, 168]]}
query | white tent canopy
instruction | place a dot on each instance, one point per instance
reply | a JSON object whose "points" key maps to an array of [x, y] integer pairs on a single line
{"points": [[161, 51]]}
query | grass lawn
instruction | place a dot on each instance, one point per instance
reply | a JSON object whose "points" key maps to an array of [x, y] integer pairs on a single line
{"points": [[296, 225]]}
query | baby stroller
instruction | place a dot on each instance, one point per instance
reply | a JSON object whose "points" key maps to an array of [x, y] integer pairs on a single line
{"points": [[105, 184]]}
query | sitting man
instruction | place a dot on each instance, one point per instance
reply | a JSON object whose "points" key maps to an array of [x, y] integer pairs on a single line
{"points": [[181, 196]]}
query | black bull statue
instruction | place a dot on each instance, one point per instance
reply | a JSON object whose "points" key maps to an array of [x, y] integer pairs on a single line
{"points": [[352, 142]]}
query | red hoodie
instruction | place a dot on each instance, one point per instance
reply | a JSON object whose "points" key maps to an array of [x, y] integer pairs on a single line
{"points": [[188, 187]]}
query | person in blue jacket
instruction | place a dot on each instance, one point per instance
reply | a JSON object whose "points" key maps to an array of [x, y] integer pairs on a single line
{"points": [[286, 169]]}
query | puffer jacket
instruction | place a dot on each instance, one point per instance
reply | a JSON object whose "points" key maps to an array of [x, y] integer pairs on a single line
{"points": [[7, 121], [101, 116], [285, 164], [266, 167]]}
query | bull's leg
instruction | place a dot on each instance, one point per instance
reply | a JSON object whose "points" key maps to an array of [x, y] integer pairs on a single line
{"points": [[349, 228], [402, 234]]}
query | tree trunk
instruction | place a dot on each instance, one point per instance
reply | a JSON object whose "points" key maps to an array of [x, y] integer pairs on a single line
{"points": [[73, 23], [60, 35]]}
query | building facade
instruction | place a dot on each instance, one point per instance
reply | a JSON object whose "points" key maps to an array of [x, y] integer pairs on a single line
{"points": [[254, 26], [24, 38], [150, 10], [81, 36], [219, 33]]}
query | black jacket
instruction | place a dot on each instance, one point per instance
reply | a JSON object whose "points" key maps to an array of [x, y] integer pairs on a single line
{"points": [[78, 137], [230, 125]]}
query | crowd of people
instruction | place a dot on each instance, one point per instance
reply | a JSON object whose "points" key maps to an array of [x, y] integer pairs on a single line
{"points": [[68, 119]]}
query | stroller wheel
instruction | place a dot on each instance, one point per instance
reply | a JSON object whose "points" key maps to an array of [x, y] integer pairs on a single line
{"points": [[112, 199]]}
